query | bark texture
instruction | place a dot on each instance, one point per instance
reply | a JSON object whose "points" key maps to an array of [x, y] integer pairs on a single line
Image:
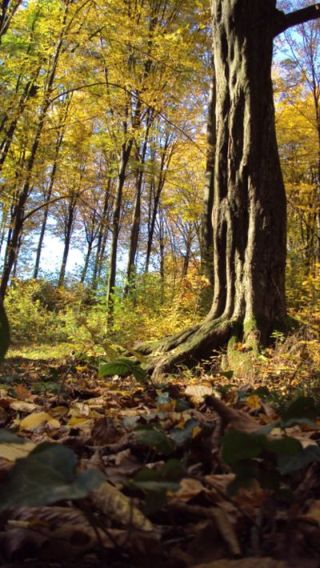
{"points": [[249, 206], [249, 214]]}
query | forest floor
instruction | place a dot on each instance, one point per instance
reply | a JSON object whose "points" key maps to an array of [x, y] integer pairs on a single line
{"points": [[206, 470]]}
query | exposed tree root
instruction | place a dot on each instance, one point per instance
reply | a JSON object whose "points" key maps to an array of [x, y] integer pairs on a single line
{"points": [[165, 345], [199, 341], [191, 345]]}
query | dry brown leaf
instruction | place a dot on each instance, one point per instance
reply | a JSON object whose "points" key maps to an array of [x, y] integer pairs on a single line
{"points": [[188, 489], [37, 419], [22, 392], [236, 418], [119, 507], [13, 452], [227, 530], [313, 513], [80, 422], [59, 411], [60, 532], [198, 393], [104, 431], [22, 406]]}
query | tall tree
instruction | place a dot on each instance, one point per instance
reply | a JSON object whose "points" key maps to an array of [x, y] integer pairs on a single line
{"points": [[249, 209]]}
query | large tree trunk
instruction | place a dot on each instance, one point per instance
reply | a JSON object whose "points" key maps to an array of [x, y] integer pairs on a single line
{"points": [[249, 210], [249, 215]]}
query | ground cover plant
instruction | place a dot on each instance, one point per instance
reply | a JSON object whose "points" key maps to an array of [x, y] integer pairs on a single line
{"points": [[102, 465]]}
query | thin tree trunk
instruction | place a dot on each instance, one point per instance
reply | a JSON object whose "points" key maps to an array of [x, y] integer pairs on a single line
{"points": [[186, 256], [67, 240], [102, 237], [50, 190], [164, 164], [206, 229], [86, 263], [125, 155], [162, 257], [3, 229], [18, 219], [8, 9], [135, 230], [15, 266]]}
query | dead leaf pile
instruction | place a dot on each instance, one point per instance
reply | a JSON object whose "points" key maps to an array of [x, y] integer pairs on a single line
{"points": [[101, 471]]}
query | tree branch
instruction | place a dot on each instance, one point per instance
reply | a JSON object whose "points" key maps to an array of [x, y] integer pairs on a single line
{"points": [[285, 21]]}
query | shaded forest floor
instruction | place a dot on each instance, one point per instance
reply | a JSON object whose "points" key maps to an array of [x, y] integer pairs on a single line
{"points": [[207, 470]]}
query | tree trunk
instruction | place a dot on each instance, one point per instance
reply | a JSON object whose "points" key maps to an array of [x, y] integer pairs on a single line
{"points": [[67, 239], [249, 216], [102, 237], [125, 155], [86, 263], [249, 211], [153, 207], [135, 230]]}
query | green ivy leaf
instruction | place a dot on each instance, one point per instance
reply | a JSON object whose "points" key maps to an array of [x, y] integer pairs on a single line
{"points": [[123, 367], [156, 482], [289, 464], [46, 475], [238, 446], [303, 407], [155, 440], [285, 446], [10, 438]]}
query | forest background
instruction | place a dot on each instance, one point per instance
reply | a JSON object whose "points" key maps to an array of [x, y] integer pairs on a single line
{"points": [[104, 150]]}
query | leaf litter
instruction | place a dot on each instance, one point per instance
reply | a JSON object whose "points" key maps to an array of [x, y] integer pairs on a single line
{"points": [[201, 471]]}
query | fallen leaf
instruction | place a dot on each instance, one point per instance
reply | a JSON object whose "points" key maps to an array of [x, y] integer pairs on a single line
{"points": [[13, 452], [188, 489], [48, 474], [80, 422], [22, 406], [313, 513], [119, 507], [253, 402], [22, 392], [37, 419], [59, 411], [198, 393]]}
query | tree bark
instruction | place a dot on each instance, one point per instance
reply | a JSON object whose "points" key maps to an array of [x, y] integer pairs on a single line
{"points": [[154, 200], [125, 155], [249, 211], [249, 216], [67, 238], [48, 195], [86, 263], [136, 218], [206, 231], [102, 237]]}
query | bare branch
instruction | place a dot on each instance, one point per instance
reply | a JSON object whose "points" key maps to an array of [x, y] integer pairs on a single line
{"points": [[285, 21]]}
